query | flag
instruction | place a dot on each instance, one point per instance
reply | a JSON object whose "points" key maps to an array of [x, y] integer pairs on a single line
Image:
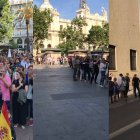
{"points": [[5, 130]]}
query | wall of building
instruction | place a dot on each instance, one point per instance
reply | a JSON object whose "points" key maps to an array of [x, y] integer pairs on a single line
{"points": [[124, 20]]}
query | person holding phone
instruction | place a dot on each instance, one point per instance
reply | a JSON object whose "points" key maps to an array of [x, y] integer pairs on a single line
{"points": [[5, 84]]}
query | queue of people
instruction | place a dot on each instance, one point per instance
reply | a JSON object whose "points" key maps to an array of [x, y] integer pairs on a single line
{"points": [[119, 87], [16, 88], [87, 69]]}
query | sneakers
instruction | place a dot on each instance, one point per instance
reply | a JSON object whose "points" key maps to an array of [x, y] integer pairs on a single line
{"points": [[30, 122]]}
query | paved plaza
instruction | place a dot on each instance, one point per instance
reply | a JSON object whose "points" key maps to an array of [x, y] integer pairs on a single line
{"points": [[68, 110]]}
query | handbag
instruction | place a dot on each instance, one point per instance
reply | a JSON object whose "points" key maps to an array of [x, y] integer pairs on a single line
{"points": [[22, 98]]}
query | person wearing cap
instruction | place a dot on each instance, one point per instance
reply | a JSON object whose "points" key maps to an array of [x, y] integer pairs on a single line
{"points": [[5, 84]]}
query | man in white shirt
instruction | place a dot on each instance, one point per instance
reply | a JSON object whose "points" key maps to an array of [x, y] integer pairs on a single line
{"points": [[103, 68], [119, 79]]}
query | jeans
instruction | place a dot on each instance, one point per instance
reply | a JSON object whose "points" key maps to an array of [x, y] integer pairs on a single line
{"points": [[136, 88], [102, 78]]}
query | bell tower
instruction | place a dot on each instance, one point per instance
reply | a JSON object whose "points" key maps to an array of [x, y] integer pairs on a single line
{"points": [[82, 4]]}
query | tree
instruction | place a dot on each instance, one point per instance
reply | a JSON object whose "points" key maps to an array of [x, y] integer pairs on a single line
{"points": [[24, 15], [106, 34], [98, 36], [42, 21], [6, 20], [72, 35], [13, 44]]}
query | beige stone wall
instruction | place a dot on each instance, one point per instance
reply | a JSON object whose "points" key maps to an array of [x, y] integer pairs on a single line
{"points": [[124, 20]]}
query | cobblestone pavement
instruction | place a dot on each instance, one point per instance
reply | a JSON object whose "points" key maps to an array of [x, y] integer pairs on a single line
{"points": [[68, 110]]}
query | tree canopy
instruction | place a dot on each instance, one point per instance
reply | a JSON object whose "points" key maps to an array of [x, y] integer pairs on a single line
{"points": [[72, 36], [42, 21], [98, 36], [6, 21]]}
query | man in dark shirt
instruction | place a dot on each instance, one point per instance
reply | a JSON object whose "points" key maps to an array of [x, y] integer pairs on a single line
{"points": [[135, 84], [127, 79]]}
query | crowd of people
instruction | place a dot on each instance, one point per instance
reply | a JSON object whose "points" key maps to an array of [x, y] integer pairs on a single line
{"points": [[89, 69], [16, 87], [50, 60], [119, 87]]}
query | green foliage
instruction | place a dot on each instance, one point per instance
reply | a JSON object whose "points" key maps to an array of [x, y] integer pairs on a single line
{"points": [[98, 36], [106, 34], [42, 21], [13, 44], [72, 35], [6, 21]]}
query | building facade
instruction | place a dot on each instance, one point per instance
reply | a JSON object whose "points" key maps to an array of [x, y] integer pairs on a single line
{"points": [[20, 31], [59, 23], [124, 36]]}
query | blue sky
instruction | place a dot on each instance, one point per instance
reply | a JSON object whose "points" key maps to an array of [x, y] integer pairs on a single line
{"points": [[67, 8]]}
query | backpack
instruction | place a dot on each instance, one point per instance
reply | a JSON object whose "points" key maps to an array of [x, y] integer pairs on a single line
{"points": [[22, 96]]}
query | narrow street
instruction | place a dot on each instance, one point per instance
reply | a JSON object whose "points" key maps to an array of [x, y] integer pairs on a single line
{"points": [[68, 110]]}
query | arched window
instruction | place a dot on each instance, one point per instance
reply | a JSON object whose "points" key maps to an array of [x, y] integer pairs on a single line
{"points": [[19, 41], [49, 45]]}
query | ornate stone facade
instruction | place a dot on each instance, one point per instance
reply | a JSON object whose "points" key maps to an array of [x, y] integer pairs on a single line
{"points": [[20, 33], [59, 23]]}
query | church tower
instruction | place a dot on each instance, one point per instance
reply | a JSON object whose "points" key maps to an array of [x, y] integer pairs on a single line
{"points": [[84, 10], [82, 4]]}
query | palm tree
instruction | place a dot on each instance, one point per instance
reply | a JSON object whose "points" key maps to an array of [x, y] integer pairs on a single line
{"points": [[24, 15]]}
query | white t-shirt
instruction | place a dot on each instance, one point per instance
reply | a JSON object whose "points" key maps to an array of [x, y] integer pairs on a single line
{"points": [[119, 80], [102, 67]]}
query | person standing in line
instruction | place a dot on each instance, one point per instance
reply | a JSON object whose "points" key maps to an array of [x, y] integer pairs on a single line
{"points": [[111, 89], [135, 84], [95, 71], [127, 79], [102, 71], [76, 65]]}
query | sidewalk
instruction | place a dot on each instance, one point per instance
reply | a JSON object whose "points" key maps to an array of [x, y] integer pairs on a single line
{"points": [[122, 102]]}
